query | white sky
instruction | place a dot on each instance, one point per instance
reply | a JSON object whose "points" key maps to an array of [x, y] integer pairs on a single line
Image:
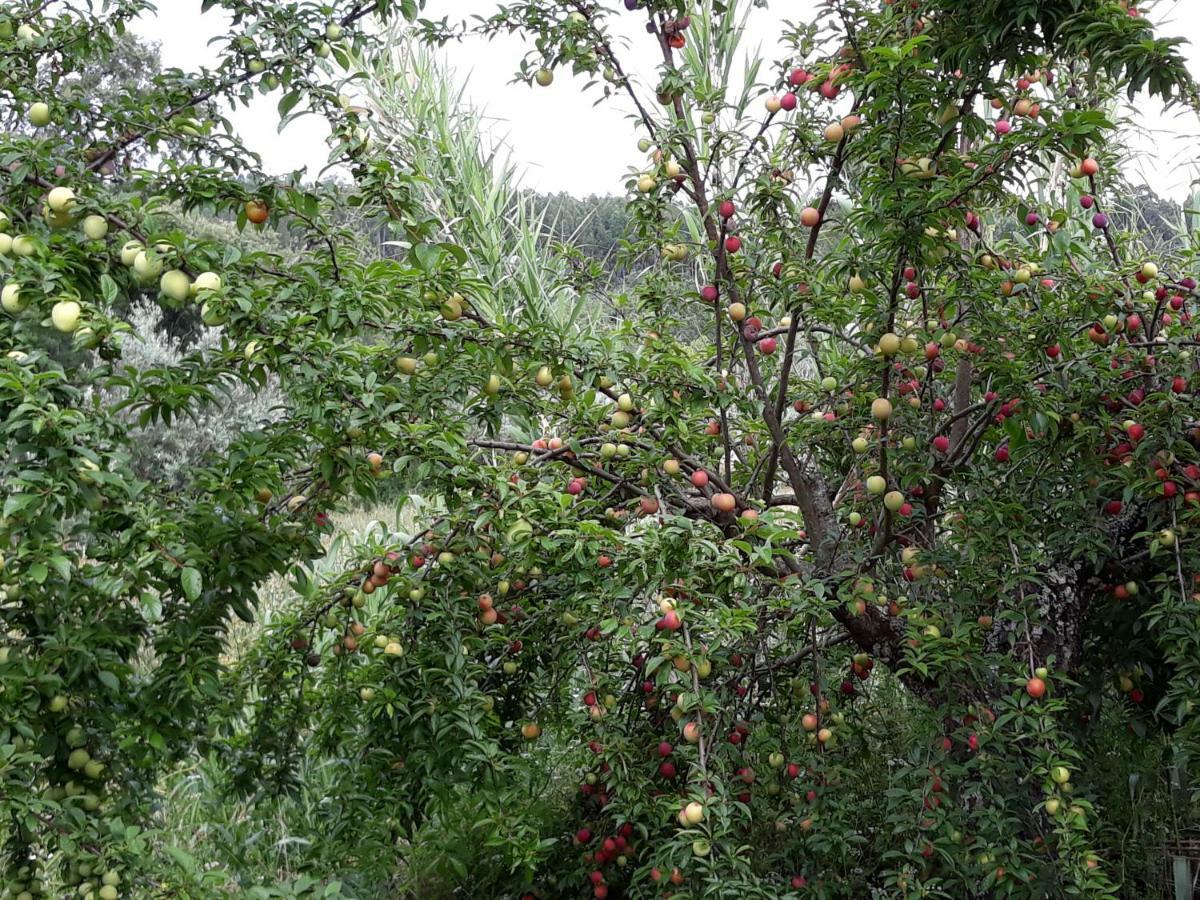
{"points": [[564, 143]]}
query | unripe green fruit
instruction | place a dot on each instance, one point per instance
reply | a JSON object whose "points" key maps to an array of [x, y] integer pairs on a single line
{"points": [[78, 759], [39, 115], [60, 199], [95, 227], [11, 299], [130, 251], [24, 245], [65, 316], [205, 281], [175, 285], [212, 316], [147, 265]]}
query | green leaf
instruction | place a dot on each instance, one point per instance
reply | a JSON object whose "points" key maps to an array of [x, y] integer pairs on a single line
{"points": [[192, 582]]}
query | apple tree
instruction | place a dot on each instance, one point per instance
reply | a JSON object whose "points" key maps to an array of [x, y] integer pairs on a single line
{"points": [[848, 549]]}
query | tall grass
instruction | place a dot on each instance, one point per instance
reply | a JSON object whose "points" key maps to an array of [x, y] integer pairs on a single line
{"points": [[469, 184]]}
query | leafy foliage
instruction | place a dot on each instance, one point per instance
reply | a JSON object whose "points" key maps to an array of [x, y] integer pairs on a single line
{"points": [[847, 550]]}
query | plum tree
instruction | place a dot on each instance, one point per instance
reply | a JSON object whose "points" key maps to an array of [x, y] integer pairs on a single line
{"points": [[886, 579]]}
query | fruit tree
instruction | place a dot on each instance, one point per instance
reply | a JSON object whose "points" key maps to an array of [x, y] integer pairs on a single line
{"points": [[850, 548]]}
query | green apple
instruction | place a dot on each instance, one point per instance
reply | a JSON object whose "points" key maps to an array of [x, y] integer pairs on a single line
{"points": [[65, 316], [95, 227], [544, 77], [11, 300], [333, 31], [147, 265], [27, 34], [24, 245], [860, 444], [130, 251], [39, 115], [876, 484], [86, 338], [406, 365], [322, 50], [212, 315], [78, 759], [60, 219], [205, 281], [60, 199], [256, 67], [893, 500], [175, 285]]}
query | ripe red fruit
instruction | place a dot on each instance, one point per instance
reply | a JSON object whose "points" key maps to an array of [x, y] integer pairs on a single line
{"points": [[666, 769], [799, 881], [1035, 688], [768, 345], [727, 209], [699, 478], [941, 443], [604, 561], [1002, 454], [665, 749], [583, 835], [671, 621], [1113, 507], [257, 211], [798, 77], [1053, 351], [788, 102], [733, 243]]}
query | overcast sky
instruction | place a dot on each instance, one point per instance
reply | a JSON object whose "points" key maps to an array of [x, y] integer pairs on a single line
{"points": [[564, 143]]}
